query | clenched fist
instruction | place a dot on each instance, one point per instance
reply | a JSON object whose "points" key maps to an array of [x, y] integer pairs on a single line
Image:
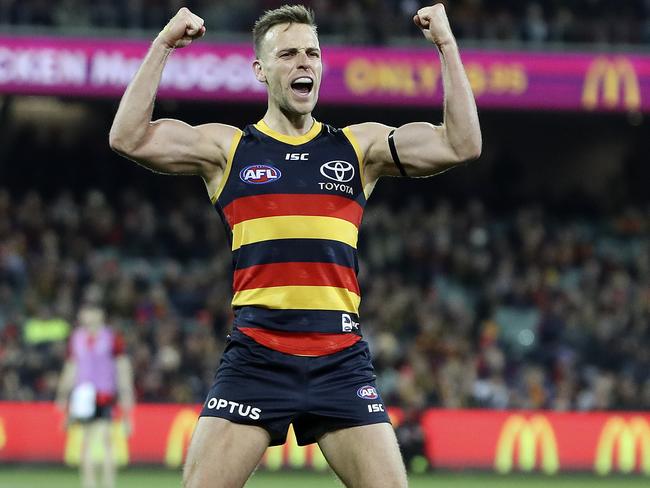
{"points": [[434, 24], [182, 29]]}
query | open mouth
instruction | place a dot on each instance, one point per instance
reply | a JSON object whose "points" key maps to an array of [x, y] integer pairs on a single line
{"points": [[302, 86]]}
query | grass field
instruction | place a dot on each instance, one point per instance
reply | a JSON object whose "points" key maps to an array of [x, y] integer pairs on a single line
{"points": [[27, 477]]}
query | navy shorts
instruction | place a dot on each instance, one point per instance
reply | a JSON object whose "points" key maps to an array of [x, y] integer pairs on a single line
{"points": [[256, 385]]}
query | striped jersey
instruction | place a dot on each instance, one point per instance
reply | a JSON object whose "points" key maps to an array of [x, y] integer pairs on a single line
{"points": [[292, 206]]}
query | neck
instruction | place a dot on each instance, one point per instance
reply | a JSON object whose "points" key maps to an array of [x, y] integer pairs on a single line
{"points": [[287, 123]]}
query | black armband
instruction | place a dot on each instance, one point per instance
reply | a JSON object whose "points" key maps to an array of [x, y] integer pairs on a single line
{"points": [[393, 152]]}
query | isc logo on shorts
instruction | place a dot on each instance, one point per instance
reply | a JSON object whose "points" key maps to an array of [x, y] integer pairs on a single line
{"points": [[259, 174], [234, 407], [368, 392]]}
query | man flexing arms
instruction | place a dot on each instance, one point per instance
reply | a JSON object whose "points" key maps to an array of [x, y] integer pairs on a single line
{"points": [[295, 355]]}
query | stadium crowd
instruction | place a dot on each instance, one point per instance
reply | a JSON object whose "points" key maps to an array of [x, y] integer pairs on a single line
{"points": [[364, 21], [462, 307]]}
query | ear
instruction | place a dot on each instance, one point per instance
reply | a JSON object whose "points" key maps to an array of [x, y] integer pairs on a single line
{"points": [[259, 71]]}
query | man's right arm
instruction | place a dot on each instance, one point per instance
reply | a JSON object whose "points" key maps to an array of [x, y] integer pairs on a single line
{"points": [[167, 145], [66, 383]]}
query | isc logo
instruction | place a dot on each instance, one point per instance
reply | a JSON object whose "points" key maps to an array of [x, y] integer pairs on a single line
{"points": [[297, 157], [367, 392], [258, 174], [375, 407]]}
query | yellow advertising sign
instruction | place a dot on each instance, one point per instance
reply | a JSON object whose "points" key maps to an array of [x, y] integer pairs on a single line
{"points": [[74, 439], [3, 434], [626, 439], [527, 435], [294, 456], [179, 437], [414, 78], [613, 79]]}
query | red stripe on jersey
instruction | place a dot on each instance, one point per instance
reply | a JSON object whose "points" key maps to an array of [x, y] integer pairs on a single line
{"points": [[275, 205], [301, 343], [295, 274]]}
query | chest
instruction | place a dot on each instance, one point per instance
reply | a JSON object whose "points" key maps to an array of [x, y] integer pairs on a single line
{"points": [[327, 167]]}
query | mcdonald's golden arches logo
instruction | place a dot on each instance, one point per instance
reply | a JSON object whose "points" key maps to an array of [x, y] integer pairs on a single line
{"points": [[179, 437], [3, 434], [527, 435], [626, 441], [617, 81]]}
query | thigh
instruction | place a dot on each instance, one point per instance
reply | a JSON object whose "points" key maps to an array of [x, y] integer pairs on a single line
{"points": [[223, 454], [365, 456]]}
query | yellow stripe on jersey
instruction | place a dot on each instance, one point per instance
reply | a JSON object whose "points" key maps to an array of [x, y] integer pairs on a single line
{"points": [[294, 227], [299, 298], [293, 140], [357, 150]]}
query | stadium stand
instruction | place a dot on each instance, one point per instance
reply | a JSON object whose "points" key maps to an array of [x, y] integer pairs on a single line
{"points": [[522, 310], [363, 21]]}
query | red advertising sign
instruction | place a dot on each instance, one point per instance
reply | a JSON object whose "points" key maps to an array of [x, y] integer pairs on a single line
{"points": [[35, 432], [351, 75], [542, 441], [505, 442]]}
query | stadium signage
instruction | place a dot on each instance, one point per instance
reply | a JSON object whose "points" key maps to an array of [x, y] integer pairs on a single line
{"points": [[178, 438], [616, 80], [627, 442], [3, 435], [502, 441], [527, 437], [352, 75]]}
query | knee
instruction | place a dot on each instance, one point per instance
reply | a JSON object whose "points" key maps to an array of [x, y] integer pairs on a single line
{"points": [[398, 481], [195, 477], [385, 479]]}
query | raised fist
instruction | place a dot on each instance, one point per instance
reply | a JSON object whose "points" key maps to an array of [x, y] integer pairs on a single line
{"points": [[434, 24], [182, 29]]}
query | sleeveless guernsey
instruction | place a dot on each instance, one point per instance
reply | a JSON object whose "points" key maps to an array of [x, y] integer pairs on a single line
{"points": [[94, 355], [292, 206]]}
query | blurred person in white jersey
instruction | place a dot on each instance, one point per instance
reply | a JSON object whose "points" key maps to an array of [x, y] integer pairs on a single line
{"points": [[291, 191], [96, 377]]}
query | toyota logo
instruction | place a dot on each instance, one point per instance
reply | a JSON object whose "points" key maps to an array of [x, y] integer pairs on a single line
{"points": [[341, 171]]}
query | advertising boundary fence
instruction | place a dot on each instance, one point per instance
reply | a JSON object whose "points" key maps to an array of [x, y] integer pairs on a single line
{"points": [[501, 441], [351, 75]]}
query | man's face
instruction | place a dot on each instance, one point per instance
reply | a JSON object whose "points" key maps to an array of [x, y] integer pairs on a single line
{"points": [[290, 64], [90, 317]]}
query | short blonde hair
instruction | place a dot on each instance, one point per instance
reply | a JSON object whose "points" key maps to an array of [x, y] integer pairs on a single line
{"points": [[287, 14]]}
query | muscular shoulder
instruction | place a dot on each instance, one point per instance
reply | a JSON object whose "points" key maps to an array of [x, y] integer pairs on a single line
{"points": [[372, 140], [368, 135], [221, 135]]}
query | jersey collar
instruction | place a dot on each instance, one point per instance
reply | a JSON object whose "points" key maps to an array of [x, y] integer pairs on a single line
{"points": [[293, 140]]}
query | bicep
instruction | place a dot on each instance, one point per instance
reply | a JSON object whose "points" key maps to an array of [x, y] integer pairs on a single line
{"points": [[423, 150], [174, 147]]}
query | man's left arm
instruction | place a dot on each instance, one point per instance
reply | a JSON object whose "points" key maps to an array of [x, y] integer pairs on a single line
{"points": [[125, 390], [124, 382], [425, 149]]}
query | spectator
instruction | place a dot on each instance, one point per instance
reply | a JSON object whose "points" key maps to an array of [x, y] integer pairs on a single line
{"points": [[472, 310]]}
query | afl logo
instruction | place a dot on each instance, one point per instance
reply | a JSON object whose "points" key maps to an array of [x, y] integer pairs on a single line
{"points": [[258, 174], [367, 392], [340, 171]]}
